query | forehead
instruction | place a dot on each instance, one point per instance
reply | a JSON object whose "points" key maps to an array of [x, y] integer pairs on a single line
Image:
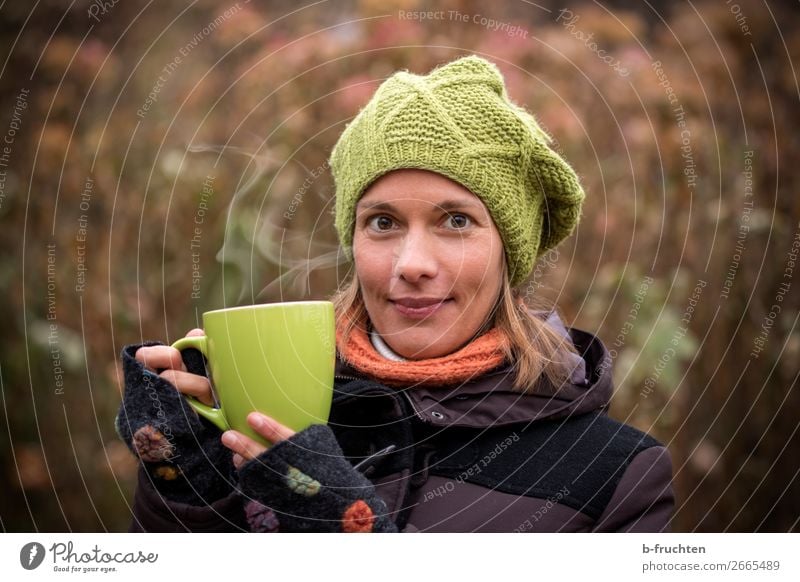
{"points": [[417, 185]]}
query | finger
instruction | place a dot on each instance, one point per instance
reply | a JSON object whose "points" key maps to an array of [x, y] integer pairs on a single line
{"points": [[238, 460], [195, 332], [242, 445], [191, 384], [154, 357], [268, 427]]}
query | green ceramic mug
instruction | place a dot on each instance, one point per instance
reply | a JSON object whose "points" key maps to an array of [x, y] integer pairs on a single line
{"points": [[275, 358]]}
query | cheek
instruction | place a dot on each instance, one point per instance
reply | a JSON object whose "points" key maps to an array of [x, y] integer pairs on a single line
{"points": [[483, 267], [372, 266]]}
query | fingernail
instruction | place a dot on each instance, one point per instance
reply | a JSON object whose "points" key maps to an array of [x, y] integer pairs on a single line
{"points": [[228, 438], [257, 420]]}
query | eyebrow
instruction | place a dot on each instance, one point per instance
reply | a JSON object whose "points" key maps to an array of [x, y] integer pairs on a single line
{"points": [[445, 205]]}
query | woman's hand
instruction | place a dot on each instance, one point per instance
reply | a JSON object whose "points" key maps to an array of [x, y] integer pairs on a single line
{"points": [[245, 448], [181, 451], [304, 482], [174, 371]]}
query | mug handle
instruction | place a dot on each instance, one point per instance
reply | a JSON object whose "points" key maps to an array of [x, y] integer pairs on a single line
{"points": [[215, 415]]}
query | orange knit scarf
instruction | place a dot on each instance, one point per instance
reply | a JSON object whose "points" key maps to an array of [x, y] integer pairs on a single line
{"points": [[480, 355]]}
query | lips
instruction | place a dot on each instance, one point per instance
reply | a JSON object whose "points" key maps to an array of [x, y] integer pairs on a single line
{"points": [[418, 307]]}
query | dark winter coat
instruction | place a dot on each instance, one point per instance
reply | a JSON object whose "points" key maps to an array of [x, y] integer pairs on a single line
{"points": [[476, 457]]}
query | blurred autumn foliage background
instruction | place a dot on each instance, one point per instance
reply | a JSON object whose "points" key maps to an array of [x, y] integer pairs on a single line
{"points": [[133, 122]]}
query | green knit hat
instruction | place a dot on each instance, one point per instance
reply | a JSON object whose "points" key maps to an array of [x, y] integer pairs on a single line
{"points": [[459, 122]]}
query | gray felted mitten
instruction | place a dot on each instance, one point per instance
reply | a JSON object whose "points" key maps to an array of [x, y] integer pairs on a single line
{"points": [[180, 450], [305, 484]]}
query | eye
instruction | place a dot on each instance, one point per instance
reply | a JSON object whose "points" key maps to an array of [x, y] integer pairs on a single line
{"points": [[458, 221], [381, 223]]}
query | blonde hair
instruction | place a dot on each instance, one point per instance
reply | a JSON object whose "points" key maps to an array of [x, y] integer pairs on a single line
{"points": [[534, 348]]}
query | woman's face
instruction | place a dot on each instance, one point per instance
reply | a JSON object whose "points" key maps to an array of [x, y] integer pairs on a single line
{"points": [[429, 260]]}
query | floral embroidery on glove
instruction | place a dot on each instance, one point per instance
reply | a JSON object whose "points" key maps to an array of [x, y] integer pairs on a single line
{"points": [[167, 472], [260, 518], [301, 483], [152, 445], [358, 518]]}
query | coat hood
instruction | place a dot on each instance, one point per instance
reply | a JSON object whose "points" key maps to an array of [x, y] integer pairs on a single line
{"points": [[491, 401]]}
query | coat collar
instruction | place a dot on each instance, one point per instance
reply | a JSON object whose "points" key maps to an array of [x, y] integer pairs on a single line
{"points": [[491, 401]]}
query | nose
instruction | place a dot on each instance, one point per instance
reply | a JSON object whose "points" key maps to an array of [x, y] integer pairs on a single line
{"points": [[415, 258]]}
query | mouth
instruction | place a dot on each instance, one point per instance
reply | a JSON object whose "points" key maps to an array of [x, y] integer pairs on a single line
{"points": [[419, 307]]}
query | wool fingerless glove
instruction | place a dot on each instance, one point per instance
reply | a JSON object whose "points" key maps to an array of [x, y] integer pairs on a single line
{"points": [[180, 450], [305, 484]]}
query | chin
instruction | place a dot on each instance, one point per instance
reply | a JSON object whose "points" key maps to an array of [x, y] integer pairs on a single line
{"points": [[422, 347]]}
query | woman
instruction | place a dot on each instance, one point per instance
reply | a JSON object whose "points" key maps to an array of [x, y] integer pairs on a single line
{"points": [[456, 407]]}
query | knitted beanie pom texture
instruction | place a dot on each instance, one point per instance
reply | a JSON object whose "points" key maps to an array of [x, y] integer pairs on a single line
{"points": [[458, 121]]}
